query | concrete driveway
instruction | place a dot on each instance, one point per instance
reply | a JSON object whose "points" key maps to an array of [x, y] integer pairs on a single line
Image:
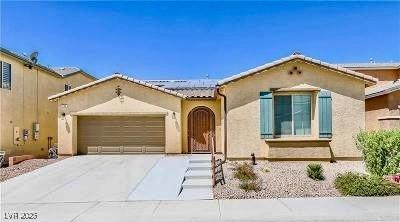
{"points": [[100, 188], [80, 179]]}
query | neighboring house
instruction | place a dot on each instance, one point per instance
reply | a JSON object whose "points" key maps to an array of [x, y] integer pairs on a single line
{"points": [[382, 101], [28, 119], [293, 108]]}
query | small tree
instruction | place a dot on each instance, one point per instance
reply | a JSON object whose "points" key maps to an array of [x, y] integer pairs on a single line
{"points": [[381, 151]]}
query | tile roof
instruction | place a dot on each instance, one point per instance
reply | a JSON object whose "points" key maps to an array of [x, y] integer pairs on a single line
{"points": [[197, 93], [372, 65], [28, 61], [198, 88], [58, 72], [69, 71], [384, 89], [368, 79], [114, 76], [66, 70]]}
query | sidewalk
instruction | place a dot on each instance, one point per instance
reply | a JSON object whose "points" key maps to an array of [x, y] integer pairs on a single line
{"points": [[299, 209]]}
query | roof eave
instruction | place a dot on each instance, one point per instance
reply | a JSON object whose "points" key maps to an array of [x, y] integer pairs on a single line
{"points": [[381, 93], [77, 72], [114, 76], [25, 60], [368, 79]]}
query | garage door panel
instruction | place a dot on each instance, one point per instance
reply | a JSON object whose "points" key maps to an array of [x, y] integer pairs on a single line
{"points": [[110, 149], [154, 149], [121, 134], [93, 149], [132, 149]]}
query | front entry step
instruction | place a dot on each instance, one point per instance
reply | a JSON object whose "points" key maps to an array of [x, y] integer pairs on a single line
{"points": [[198, 174], [199, 166], [197, 183], [200, 158], [196, 194]]}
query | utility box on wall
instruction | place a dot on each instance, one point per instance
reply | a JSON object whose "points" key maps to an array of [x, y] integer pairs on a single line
{"points": [[36, 131], [17, 136]]}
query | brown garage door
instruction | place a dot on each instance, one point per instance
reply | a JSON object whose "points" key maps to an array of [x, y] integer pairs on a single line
{"points": [[117, 135]]}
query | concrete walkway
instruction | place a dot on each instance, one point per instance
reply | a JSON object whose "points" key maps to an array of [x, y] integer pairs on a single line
{"points": [[299, 209], [163, 182]]}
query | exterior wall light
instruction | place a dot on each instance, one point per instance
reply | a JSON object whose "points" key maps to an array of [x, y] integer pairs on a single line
{"points": [[253, 159]]}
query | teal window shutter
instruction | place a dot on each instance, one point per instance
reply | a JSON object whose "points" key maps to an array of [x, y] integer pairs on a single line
{"points": [[325, 114], [266, 115]]}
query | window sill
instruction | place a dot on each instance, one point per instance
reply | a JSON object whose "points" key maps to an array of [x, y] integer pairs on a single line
{"points": [[277, 140]]}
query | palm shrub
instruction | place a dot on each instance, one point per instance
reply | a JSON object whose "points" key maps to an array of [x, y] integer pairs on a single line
{"points": [[381, 151], [315, 171]]}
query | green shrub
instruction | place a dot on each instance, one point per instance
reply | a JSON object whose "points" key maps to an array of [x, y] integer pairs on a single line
{"points": [[245, 172], [315, 171], [354, 184], [251, 185], [249, 180], [381, 151]]}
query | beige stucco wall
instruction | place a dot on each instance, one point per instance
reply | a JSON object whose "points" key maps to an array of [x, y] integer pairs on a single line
{"points": [[243, 118], [382, 106], [215, 106], [27, 103], [102, 100], [383, 75], [77, 79]]}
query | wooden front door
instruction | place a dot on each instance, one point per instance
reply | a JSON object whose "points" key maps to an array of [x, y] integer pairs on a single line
{"points": [[201, 130]]}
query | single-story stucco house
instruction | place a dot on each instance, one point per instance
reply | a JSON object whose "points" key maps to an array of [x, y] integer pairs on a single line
{"points": [[293, 108]]}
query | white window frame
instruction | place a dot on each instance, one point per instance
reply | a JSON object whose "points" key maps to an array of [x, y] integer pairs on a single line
{"points": [[291, 95], [1, 76]]}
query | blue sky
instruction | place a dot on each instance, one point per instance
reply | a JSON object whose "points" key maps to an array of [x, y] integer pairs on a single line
{"points": [[187, 40]]}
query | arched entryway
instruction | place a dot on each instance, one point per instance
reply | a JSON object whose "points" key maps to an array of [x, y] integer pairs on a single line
{"points": [[201, 130]]}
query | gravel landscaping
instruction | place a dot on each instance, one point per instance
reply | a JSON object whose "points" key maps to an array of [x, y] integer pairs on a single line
{"points": [[286, 179], [25, 167]]}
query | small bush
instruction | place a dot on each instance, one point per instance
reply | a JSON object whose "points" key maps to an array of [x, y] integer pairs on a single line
{"points": [[251, 185], [245, 172], [355, 184], [381, 151], [315, 171], [249, 180]]}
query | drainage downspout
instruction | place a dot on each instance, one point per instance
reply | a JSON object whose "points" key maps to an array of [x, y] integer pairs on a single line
{"points": [[225, 125]]}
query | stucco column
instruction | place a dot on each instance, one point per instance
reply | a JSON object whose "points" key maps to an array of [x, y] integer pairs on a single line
{"points": [[67, 131], [173, 139]]}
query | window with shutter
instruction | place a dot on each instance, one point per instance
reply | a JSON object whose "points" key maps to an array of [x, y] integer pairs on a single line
{"points": [[292, 114], [5, 75], [325, 114], [1, 74], [266, 121]]}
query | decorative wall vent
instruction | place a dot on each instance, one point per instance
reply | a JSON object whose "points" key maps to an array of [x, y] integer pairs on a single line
{"points": [[295, 70], [118, 90]]}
